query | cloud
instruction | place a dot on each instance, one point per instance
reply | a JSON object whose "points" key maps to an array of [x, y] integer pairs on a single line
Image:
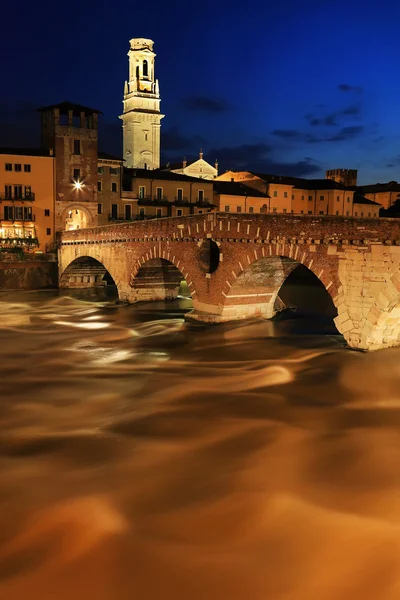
{"points": [[172, 139], [332, 119], [344, 87], [258, 158], [205, 104], [346, 133]]}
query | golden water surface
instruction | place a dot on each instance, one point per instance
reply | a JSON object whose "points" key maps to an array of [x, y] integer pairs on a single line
{"points": [[143, 458]]}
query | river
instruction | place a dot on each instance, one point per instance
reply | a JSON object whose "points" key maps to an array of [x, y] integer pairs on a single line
{"points": [[146, 458]]}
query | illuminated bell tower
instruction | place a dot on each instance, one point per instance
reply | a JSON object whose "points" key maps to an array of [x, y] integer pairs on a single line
{"points": [[141, 117]]}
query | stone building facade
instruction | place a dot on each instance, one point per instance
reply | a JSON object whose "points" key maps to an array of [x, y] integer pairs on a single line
{"points": [[141, 115], [71, 130]]}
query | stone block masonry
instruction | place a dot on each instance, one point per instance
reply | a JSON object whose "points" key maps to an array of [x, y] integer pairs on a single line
{"points": [[357, 260]]}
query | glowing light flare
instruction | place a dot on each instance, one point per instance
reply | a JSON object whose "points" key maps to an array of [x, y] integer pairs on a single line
{"points": [[78, 185]]}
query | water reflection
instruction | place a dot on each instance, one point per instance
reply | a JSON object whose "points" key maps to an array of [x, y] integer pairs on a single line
{"points": [[149, 458]]}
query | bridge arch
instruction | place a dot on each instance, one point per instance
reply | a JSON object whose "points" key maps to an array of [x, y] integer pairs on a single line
{"points": [[87, 272], [253, 288], [159, 278]]}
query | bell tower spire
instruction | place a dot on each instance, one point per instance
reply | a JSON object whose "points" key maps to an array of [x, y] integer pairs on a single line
{"points": [[141, 114]]}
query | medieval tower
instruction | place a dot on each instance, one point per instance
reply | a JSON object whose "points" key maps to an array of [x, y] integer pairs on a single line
{"points": [[141, 115]]}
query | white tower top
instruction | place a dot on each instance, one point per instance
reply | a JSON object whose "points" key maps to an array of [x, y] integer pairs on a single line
{"points": [[141, 116]]}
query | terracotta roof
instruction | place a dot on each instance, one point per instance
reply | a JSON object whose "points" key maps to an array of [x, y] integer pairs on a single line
{"points": [[358, 199], [300, 183], [163, 175], [375, 188], [237, 188], [66, 106], [106, 156], [26, 151]]}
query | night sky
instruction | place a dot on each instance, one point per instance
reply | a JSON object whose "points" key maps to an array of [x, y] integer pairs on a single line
{"points": [[291, 87]]}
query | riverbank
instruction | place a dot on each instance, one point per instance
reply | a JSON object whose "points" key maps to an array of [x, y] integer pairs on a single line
{"points": [[23, 271]]}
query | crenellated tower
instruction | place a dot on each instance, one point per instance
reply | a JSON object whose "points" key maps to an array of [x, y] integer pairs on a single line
{"points": [[141, 116]]}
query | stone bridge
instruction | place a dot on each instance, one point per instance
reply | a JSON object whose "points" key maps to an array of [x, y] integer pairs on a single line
{"points": [[235, 265]]}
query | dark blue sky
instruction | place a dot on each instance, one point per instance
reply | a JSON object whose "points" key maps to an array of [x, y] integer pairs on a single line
{"points": [[289, 87]]}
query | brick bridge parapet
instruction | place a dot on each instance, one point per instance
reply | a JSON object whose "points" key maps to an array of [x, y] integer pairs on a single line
{"points": [[357, 260]]}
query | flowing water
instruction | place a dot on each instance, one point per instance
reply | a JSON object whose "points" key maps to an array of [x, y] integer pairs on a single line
{"points": [[146, 458]]}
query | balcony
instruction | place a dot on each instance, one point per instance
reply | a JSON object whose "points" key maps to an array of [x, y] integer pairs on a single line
{"points": [[149, 201], [18, 197]]}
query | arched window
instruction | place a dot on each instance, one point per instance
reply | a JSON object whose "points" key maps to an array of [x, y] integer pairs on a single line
{"points": [[145, 68], [137, 72]]}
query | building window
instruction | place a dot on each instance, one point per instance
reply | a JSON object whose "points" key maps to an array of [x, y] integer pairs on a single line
{"points": [[179, 195], [142, 191], [8, 192], [27, 168], [285, 194], [158, 212], [321, 212], [18, 191], [292, 196], [284, 210], [145, 136], [310, 212], [114, 186], [347, 213], [348, 199], [77, 174], [17, 167], [275, 194], [114, 211], [369, 214], [48, 231], [274, 209], [227, 208], [99, 186], [18, 213], [141, 213], [100, 170], [8, 167], [46, 212], [251, 209], [302, 197], [361, 214], [238, 209], [337, 212], [145, 68], [302, 212], [159, 193], [356, 214], [77, 146], [99, 209], [27, 213], [322, 197], [114, 171], [201, 196], [8, 213], [337, 198], [179, 212]]}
